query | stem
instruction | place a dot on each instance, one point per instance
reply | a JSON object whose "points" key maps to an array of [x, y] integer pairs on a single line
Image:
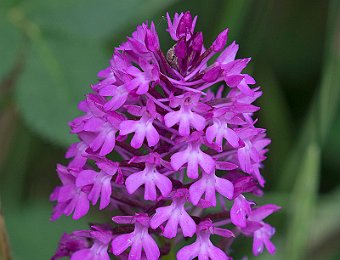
{"points": [[171, 130], [166, 140], [4, 244], [123, 153], [182, 82], [222, 222], [209, 84], [128, 200], [158, 103], [129, 149], [220, 155]]}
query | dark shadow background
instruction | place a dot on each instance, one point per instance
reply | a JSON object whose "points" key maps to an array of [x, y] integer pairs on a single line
{"points": [[50, 52]]}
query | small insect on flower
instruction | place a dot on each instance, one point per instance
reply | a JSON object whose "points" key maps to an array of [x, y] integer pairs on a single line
{"points": [[158, 148]]}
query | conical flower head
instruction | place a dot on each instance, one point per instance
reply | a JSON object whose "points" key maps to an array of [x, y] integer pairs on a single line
{"points": [[158, 146]]}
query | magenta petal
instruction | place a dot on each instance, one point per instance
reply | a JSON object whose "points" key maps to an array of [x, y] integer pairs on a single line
{"points": [[106, 192], [228, 54], [197, 190], [152, 135], [82, 206], [220, 41], [192, 170], [198, 122], [224, 187], [171, 118], [93, 124], [136, 250], [134, 181], [150, 247], [232, 137], [150, 191], [98, 141], [184, 127], [243, 86], [108, 144], [94, 193], [189, 252], [252, 226], [86, 177], [244, 159], [120, 243], [270, 246], [262, 212], [216, 254], [123, 219], [162, 215], [179, 159], [163, 184], [138, 138], [170, 230], [187, 224], [127, 127], [258, 246], [211, 133], [84, 254], [239, 211], [223, 232], [206, 162]]}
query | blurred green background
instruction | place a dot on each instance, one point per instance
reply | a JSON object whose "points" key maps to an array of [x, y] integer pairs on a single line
{"points": [[50, 52]]}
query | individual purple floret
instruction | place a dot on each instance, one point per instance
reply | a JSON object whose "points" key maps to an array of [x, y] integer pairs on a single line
{"points": [[165, 155], [175, 215], [203, 248], [85, 244], [100, 182], [139, 240], [70, 198]]}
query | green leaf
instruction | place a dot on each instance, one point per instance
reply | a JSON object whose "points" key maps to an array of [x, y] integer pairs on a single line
{"points": [[302, 204], [329, 96], [12, 173], [324, 238], [91, 19], [57, 75], [274, 106], [323, 109], [9, 44], [232, 15], [60, 69], [32, 235]]}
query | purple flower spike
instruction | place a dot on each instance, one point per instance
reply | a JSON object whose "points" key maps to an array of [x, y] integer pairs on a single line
{"points": [[139, 240], [175, 215], [158, 146]]}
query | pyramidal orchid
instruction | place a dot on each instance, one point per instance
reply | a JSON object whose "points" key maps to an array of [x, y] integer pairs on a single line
{"points": [[168, 147]]}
